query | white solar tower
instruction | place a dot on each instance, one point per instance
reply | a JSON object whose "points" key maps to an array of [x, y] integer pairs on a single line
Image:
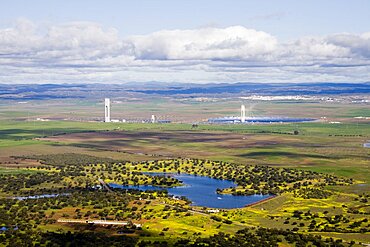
{"points": [[153, 119], [242, 114], [107, 110]]}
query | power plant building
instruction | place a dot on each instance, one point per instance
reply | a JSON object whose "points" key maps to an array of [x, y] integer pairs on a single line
{"points": [[242, 119]]}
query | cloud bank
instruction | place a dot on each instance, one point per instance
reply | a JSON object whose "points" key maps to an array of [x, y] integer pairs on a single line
{"points": [[88, 52]]}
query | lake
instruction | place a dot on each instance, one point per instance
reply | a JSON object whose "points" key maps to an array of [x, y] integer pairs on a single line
{"points": [[201, 191]]}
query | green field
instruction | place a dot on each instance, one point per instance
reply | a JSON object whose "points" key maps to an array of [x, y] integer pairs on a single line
{"points": [[334, 149]]}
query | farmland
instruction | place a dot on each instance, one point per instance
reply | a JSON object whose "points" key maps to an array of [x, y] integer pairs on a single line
{"points": [[318, 172]]}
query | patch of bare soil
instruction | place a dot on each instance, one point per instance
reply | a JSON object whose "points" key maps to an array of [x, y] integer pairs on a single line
{"points": [[11, 162]]}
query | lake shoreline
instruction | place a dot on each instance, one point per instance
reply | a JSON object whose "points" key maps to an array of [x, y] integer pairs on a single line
{"points": [[201, 191], [262, 201]]}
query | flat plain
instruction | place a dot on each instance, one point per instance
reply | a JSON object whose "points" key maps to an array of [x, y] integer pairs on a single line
{"points": [[332, 145]]}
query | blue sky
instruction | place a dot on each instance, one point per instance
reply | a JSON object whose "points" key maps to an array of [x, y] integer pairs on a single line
{"points": [[285, 19], [190, 41]]}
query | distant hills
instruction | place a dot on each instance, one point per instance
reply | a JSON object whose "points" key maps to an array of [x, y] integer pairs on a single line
{"points": [[265, 89], [62, 91]]}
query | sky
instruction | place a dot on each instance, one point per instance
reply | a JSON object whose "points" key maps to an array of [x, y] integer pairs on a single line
{"points": [[198, 41]]}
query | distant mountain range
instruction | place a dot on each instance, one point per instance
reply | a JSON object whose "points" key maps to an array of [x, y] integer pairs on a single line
{"points": [[60, 91], [264, 89]]}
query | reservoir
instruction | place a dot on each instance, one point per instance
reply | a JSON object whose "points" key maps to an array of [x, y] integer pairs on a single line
{"points": [[201, 191]]}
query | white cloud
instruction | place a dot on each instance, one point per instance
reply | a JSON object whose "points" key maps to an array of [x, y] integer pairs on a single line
{"points": [[72, 42], [357, 44], [84, 51], [210, 43]]}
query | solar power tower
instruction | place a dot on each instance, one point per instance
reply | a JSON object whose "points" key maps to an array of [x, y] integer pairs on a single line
{"points": [[242, 114], [107, 110]]}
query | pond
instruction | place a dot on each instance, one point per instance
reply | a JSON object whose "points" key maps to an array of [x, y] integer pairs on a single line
{"points": [[367, 145], [201, 191]]}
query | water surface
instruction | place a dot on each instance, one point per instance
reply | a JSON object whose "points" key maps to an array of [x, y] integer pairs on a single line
{"points": [[201, 191]]}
